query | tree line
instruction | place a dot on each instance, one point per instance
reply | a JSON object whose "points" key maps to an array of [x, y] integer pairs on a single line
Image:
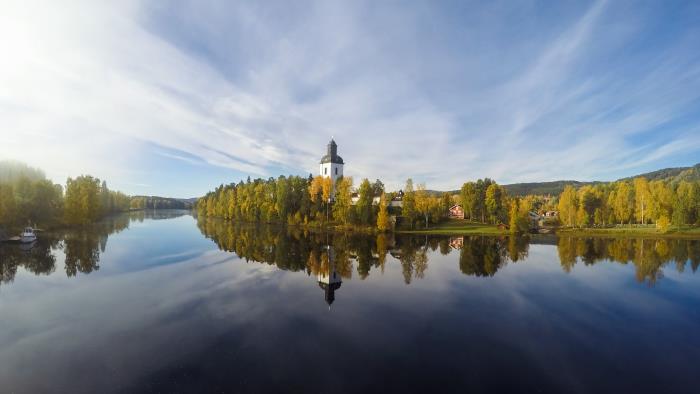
{"points": [[293, 200], [315, 200], [638, 201], [155, 202], [27, 197]]}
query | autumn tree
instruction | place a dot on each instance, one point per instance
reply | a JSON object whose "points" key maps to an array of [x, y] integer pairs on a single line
{"points": [[343, 200], [383, 220], [642, 199], [568, 205], [494, 202], [408, 208], [82, 203], [623, 203], [519, 221], [423, 202]]}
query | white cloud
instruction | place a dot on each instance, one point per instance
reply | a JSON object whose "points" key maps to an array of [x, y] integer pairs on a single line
{"points": [[95, 85]]}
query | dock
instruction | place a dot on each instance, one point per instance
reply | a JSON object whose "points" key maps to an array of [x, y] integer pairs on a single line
{"points": [[11, 239]]}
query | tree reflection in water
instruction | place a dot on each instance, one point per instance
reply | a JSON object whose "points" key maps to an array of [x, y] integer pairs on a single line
{"points": [[332, 257], [649, 256], [481, 256], [82, 246], [37, 258]]}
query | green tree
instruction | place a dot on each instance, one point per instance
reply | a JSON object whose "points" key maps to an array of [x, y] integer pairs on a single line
{"points": [[468, 199], [446, 203], [364, 202], [283, 198], [494, 202], [519, 221], [408, 208], [377, 188], [82, 202], [7, 205], [423, 202]]}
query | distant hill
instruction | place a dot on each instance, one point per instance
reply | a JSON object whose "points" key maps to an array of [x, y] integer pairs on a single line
{"points": [[542, 188], [556, 187], [678, 173], [691, 174], [157, 202]]}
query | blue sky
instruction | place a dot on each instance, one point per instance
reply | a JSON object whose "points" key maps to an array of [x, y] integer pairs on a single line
{"points": [[174, 98]]}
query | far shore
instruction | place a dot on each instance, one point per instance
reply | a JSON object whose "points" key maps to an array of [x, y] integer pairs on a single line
{"points": [[463, 227]]}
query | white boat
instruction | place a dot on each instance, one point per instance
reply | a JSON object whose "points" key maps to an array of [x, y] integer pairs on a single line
{"points": [[27, 235]]}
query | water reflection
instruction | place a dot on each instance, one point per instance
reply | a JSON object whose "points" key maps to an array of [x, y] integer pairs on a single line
{"points": [[329, 280], [330, 258], [81, 246], [168, 312], [649, 256], [296, 250], [38, 259]]}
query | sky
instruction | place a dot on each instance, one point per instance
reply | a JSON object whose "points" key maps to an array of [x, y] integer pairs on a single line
{"points": [[173, 98]]}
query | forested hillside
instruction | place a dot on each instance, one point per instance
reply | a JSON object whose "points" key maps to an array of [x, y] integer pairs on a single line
{"points": [[156, 202], [674, 175]]}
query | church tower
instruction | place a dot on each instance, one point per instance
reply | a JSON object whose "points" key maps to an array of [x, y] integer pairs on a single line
{"points": [[331, 164], [329, 279]]}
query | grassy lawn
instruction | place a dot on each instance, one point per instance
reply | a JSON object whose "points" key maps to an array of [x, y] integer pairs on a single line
{"points": [[464, 227], [458, 227], [648, 231]]}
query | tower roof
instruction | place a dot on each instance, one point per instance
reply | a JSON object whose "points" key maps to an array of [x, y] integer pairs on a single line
{"points": [[332, 154]]}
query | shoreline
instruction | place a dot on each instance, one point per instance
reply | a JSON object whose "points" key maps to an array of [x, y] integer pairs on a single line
{"points": [[458, 228]]}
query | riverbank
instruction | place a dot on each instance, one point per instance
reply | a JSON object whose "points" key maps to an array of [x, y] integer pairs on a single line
{"points": [[463, 227], [458, 227], [687, 232]]}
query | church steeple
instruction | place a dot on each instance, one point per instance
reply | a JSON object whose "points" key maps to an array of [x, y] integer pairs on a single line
{"points": [[332, 148], [332, 154], [328, 278]]}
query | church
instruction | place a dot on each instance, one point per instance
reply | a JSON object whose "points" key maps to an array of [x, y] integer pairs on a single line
{"points": [[331, 164]]}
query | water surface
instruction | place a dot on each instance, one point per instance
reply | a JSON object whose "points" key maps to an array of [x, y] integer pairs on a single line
{"points": [[159, 302]]}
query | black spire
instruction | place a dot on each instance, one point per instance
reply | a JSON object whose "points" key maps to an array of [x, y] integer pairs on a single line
{"points": [[329, 290], [332, 154]]}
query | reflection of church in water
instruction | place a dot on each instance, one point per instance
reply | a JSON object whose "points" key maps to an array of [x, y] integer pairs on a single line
{"points": [[329, 279]]}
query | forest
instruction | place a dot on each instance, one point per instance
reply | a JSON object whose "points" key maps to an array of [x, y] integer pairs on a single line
{"points": [[155, 202], [660, 203], [315, 201], [638, 201], [27, 197]]}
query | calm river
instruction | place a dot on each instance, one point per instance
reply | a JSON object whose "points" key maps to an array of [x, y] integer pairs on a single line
{"points": [[159, 302]]}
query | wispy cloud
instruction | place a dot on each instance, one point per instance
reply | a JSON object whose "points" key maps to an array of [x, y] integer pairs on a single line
{"points": [[432, 91]]}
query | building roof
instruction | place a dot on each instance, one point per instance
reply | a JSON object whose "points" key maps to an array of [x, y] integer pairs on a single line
{"points": [[329, 290], [332, 154]]}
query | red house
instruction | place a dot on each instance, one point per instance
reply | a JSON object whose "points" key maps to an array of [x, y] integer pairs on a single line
{"points": [[456, 212]]}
